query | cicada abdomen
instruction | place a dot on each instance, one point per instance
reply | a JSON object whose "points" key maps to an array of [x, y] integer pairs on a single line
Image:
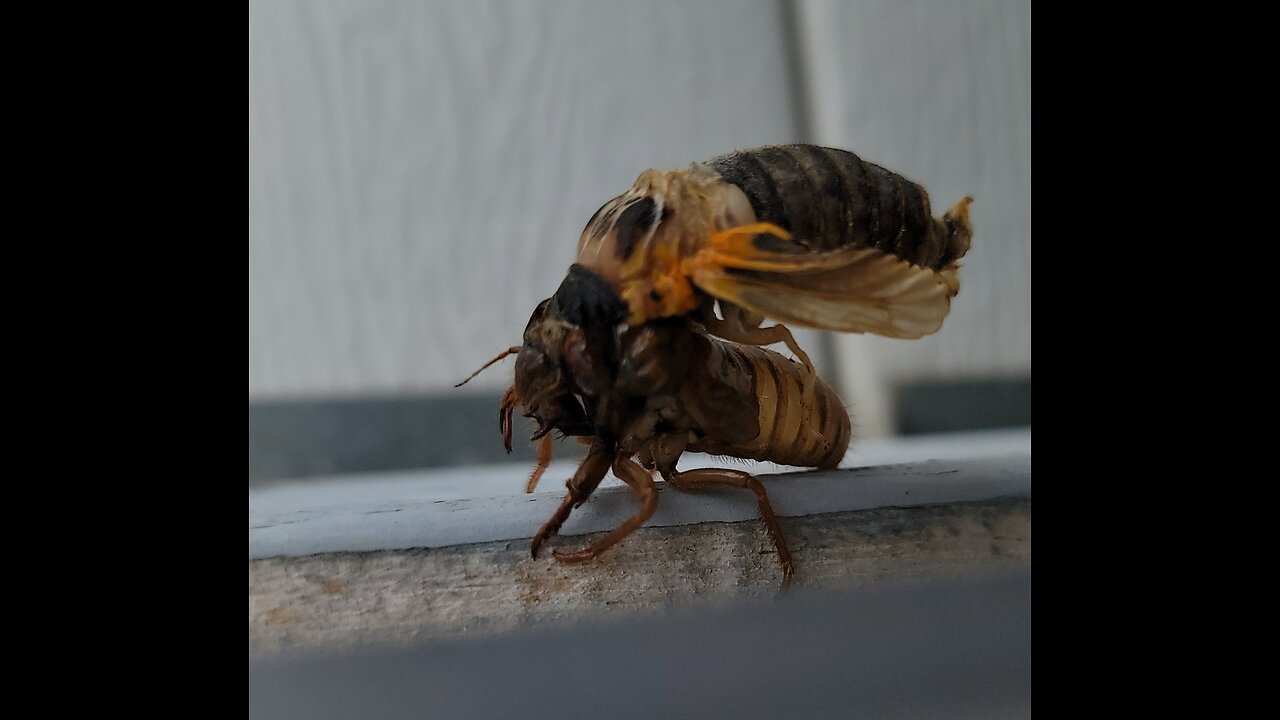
{"points": [[830, 199]]}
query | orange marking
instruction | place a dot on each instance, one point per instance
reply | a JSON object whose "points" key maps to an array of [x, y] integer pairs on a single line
{"points": [[725, 239], [667, 290]]}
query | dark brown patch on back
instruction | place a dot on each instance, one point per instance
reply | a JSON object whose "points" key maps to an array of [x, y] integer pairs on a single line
{"points": [[632, 225], [584, 298]]}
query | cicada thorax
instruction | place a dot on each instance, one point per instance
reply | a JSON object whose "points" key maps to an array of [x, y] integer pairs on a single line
{"points": [[640, 241]]}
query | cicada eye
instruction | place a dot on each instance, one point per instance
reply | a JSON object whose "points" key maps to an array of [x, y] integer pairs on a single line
{"points": [[531, 364]]}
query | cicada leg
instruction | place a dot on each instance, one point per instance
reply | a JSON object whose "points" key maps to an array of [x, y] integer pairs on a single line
{"points": [[641, 483], [584, 482], [737, 329], [667, 450], [544, 459], [510, 401], [724, 477]]}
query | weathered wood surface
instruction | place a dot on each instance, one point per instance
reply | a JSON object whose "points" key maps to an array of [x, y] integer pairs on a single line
{"points": [[486, 504], [340, 600]]}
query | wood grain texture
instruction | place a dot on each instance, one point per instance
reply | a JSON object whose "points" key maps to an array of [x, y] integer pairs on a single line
{"points": [[419, 172], [340, 600], [941, 93]]}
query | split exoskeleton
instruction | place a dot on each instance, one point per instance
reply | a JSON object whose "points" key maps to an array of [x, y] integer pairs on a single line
{"points": [[630, 354]]}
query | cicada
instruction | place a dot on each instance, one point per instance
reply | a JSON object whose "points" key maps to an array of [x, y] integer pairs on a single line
{"points": [[806, 235], [801, 234]]}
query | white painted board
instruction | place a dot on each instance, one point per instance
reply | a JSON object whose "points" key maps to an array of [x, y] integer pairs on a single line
{"points": [[419, 172]]}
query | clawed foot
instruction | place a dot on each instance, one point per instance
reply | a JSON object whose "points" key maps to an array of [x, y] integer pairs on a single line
{"points": [[536, 544], [568, 558], [549, 530], [572, 558]]}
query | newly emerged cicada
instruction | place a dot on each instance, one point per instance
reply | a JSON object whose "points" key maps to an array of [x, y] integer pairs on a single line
{"points": [[801, 234], [631, 356]]}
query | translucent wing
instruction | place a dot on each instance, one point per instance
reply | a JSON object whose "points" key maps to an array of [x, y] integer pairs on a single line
{"points": [[850, 290]]}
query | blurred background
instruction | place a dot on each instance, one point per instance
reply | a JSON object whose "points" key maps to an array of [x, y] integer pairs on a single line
{"points": [[419, 173]]}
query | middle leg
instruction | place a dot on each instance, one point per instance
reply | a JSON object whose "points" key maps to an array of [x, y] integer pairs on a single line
{"points": [[739, 327], [736, 327]]}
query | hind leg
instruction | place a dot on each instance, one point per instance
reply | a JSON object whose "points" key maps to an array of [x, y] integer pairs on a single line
{"points": [[703, 477], [740, 328], [667, 450]]}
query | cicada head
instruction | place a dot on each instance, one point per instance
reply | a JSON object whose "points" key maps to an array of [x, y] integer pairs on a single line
{"points": [[544, 389]]}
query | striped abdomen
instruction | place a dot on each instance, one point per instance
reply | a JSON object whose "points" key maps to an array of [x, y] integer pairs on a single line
{"points": [[783, 437], [829, 199]]}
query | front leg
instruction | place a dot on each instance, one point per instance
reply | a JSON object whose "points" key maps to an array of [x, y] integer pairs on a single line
{"points": [[584, 482], [544, 459], [641, 484]]}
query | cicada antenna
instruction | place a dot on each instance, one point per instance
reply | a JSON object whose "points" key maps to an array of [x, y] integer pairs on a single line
{"points": [[509, 351]]}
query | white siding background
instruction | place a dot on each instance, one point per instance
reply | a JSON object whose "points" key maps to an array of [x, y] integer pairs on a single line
{"points": [[419, 172]]}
